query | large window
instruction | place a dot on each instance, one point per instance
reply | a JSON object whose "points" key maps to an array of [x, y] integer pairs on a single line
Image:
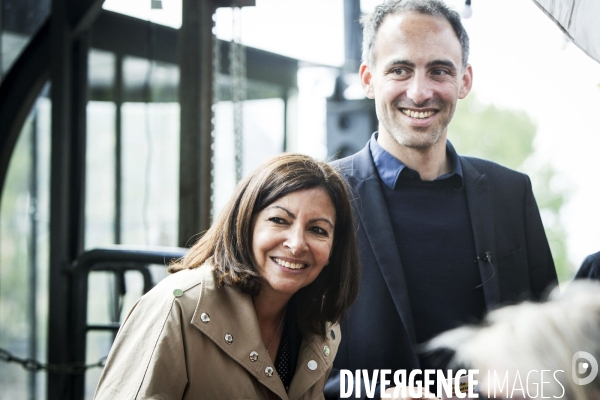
{"points": [[24, 256]]}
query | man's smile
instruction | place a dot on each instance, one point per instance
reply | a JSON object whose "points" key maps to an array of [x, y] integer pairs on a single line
{"points": [[417, 114]]}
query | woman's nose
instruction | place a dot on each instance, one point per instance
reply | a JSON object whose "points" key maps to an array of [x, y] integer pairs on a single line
{"points": [[296, 241]]}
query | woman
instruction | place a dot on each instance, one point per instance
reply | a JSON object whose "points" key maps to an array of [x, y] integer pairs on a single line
{"points": [[250, 311]]}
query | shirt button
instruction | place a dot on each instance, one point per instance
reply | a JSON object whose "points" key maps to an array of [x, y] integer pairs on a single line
{"points": [[228, 338], [177, 292], [326, 351], [253, 356], [269, 372], [312, 365], [204, 317]]}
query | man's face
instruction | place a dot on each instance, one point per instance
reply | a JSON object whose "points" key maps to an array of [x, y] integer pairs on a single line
{"points": [[416, 79]]}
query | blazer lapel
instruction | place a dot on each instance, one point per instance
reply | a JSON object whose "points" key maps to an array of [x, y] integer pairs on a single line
{"points": [[480, 210], [376, 222]]}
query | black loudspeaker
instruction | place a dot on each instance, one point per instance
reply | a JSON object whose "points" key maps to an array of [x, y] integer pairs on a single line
{"points": [[350, 124]]}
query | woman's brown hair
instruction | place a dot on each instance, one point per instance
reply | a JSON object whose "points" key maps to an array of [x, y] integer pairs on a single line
{"points": [[227, 244]]}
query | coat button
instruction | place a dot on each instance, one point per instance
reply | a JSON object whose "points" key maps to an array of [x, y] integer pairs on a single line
{"points": [[253, 356], [332, 334], [204, 317], [177, 292], [326, 351], [269, 372], [228, 338], [312, 365]]}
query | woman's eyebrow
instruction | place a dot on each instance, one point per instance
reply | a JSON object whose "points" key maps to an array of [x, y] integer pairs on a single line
{"points": [[324, 220], [288, 212], [291, 215]]}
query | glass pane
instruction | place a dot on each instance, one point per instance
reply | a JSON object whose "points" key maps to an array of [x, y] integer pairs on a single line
{"points": [[101, 75], [24, 255], [149, 81], [100, 174], [263, 130], [150, 173], [20, 19]]}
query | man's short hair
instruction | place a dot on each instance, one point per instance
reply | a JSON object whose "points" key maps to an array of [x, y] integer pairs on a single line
{"points": [[435, 8]]}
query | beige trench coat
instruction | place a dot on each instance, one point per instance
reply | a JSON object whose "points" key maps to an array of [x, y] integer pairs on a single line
{"points": [[174, 345]]}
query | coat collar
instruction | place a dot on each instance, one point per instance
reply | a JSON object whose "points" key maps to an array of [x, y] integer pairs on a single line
{"points": [[231, 312]]}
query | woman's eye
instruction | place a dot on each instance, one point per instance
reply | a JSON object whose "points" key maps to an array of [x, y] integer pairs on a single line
{"points": [[277, 220], [320, 231]]}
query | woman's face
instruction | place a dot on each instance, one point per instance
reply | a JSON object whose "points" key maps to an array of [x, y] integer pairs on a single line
{"points": [[292, 240]]}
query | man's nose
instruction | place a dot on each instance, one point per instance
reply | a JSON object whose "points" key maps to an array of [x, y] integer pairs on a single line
{"points": [[419, 89], [296, 240]]}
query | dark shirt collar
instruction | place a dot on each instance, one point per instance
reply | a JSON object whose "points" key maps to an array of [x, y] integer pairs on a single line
{"points": [[391, 170]]}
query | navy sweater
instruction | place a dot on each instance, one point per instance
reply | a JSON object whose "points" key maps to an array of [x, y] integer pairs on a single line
{"points": [[435, 241]]}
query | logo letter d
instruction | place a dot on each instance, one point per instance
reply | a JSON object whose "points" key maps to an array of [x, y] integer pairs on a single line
{"points": [[591, 362]]}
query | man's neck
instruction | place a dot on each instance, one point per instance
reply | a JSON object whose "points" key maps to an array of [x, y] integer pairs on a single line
{"points": [[430, 163]]}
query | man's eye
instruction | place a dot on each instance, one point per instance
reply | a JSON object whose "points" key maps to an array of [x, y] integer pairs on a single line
{"points": [[439, 72], [399, 71]]}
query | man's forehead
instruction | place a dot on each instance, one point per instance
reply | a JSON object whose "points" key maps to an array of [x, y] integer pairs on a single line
{"points": [[411, 23], [404, 29]]}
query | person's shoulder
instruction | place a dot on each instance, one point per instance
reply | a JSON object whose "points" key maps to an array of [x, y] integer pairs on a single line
{"points": [[345, 163], [492, 169], [183, 284], [356, 166]]}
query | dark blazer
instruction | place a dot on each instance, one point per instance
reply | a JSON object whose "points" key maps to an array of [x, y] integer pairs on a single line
{"points": [[378, 332]]}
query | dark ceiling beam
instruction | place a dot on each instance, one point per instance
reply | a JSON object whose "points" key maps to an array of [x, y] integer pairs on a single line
{"points": [[110, 28], [234, 3]]}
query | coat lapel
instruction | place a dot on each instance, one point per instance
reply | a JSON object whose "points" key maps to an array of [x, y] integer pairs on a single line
{"points": [[377, 225], [312, 351], [480, 210], [232, 312]]}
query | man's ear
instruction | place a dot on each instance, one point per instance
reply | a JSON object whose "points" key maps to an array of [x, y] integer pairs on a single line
{"points": [[365, 80], [467, 82]]}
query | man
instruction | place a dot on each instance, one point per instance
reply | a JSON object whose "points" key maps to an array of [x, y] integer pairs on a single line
{"points": [[443, 238]]}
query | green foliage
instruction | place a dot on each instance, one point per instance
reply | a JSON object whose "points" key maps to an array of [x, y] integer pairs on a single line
{"points": [[506, 136], [485, 131]]}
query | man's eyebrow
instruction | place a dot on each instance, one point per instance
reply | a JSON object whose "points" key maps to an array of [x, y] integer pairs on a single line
{"points": [[446, 63], [400, 62]]}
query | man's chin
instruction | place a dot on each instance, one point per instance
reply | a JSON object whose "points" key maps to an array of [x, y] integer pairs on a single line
{"points": [[418, 141]]}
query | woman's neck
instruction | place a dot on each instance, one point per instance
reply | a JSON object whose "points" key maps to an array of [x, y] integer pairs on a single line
{"points": [[270, 312]]}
